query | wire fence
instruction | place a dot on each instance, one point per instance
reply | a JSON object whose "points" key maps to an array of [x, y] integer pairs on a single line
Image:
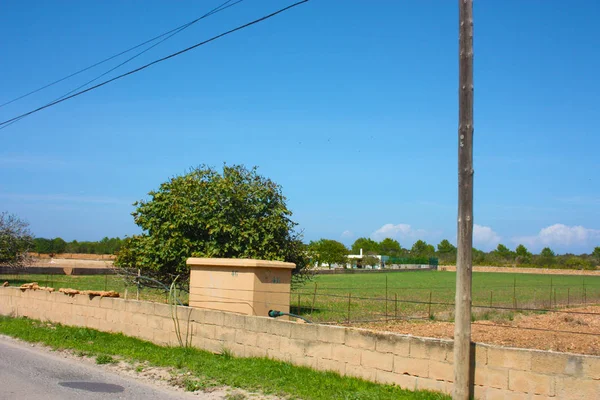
{"points": [[124, 284], [432, 303], [373, 304]]}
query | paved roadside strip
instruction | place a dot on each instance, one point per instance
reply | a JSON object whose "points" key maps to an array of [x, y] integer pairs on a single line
{"points": [[35, 372]]}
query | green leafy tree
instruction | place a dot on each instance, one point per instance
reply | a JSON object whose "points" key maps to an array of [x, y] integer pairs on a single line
{"points": [[370, 260], [479, 257], [328, 251], [523, 255], [368, 245], [72, 247], [234, 214], [574, 262], [445, 247], [58, 245], [596, 254], [547, 253], [15, 241], [504, 252], [547, 257], [522, 251], [390, 247], [421, 249], [43, 245], [446, 251]]}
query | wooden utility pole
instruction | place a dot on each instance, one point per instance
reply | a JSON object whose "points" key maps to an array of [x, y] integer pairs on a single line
{"points": [[462, 329]]}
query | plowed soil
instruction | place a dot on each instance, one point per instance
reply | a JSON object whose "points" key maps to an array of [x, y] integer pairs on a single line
{"points": [[556, 331]]}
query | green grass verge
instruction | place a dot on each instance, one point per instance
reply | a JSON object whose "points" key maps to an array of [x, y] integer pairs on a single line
{"points": [[207, 369]]}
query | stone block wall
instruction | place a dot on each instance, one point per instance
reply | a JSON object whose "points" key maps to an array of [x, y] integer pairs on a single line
{"points": [[408, 361]]}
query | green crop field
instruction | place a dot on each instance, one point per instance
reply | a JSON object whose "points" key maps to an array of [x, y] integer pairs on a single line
{"points": [[368, 296], [409, 294]]}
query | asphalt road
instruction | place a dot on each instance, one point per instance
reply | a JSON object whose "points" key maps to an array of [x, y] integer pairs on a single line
{"points": [[31, 373]]}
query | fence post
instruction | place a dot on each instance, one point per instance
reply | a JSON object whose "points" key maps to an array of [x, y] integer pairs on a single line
{"points": [[491, 298], [395, 305], [550, 292], [349, 300], [515, 293], [386, 298], [137, 296], [429, 308], [312, 306]]}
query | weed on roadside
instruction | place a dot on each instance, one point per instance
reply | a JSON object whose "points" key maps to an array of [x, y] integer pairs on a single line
{"points": [[105, 359]]}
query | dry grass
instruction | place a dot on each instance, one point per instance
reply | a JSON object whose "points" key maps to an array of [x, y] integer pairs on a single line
{"points": [[572, 333]]}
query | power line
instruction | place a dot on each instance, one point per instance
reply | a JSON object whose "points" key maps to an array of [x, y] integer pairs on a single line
{"points": [[208, 14], [172, 32], [156, 61], [177, 30]]}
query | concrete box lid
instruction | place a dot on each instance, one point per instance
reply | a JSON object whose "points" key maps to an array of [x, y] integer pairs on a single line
{"points": [[237, 262]]}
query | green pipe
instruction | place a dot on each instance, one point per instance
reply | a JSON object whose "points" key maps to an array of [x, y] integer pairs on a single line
{"points": [[275, 314]]}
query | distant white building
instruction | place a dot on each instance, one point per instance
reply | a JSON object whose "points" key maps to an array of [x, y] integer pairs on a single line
{"points": [[355, 261]]}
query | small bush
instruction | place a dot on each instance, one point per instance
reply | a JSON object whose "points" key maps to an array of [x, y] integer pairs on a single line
{"points": [[105, 359]]}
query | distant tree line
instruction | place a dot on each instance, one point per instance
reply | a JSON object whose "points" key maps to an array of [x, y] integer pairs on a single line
{"points": [[329, 251], [59, 246], [547, 258]]}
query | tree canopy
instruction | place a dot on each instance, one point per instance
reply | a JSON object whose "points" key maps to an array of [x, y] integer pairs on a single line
{"points": [[445, 247], [368, 245], [503, 251], [522, 251], [596, 254], [523, 256], [328, 251], [422, 249], [390, 247], [15, 240], [547, 253], [204, 213], [370, 260], [446, 251], [58, 246]]}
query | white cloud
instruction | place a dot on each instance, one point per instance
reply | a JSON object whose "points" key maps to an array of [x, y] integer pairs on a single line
{"points": [[562, 237], [398, 232], [484, 237], [347, 234]]}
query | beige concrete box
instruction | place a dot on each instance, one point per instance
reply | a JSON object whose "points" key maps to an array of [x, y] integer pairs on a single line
{"points": [[251, 287]]}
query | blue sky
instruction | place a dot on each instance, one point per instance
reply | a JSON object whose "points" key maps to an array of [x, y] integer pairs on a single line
{"points": [[351, 106]]}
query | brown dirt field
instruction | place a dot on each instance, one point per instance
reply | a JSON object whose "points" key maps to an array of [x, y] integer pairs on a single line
{"points": [[581, 332], [74, 256], [517, 270], [71, 263]]}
